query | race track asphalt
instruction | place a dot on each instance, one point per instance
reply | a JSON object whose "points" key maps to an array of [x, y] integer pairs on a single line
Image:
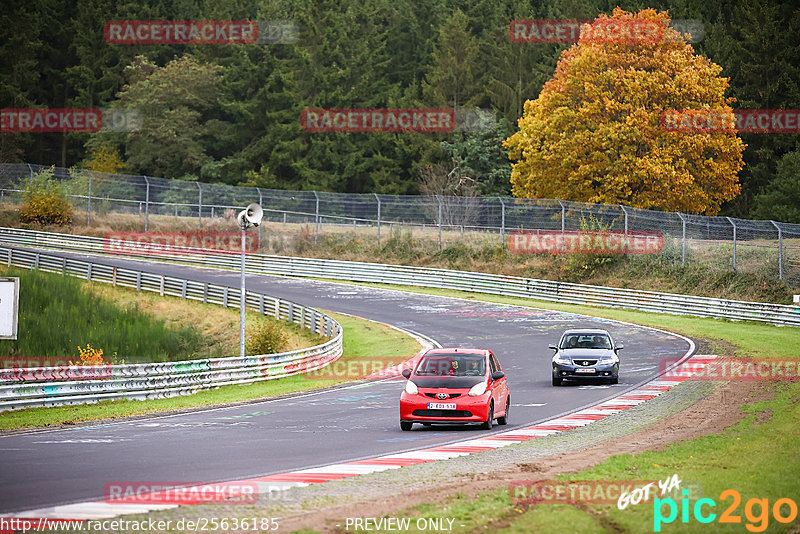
{"points": [[52, 467]]}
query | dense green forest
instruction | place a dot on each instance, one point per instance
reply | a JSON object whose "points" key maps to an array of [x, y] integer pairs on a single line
{"points": [[230, 113]]}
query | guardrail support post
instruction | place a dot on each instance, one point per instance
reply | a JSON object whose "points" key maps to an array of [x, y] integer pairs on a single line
{"points": [[278, 309], [146, 202], [205, 293], [9, 257], [502, 220], [734, 242], [683, 239], [88, 269], [261, 304], [89, 202], [161, 286], [440, 220], [780, 250], [138, 280], [199, 206], [379, 217], [316, 218]]}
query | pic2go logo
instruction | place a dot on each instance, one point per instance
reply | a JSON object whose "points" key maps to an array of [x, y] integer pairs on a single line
{"points": [[756, 511]]}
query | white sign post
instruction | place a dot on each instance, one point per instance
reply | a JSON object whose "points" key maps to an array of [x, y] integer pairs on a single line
{"points": [[9, 307]]}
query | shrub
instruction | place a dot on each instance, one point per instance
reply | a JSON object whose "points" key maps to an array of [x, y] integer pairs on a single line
{"points": [[45, 201], [267, 337]]}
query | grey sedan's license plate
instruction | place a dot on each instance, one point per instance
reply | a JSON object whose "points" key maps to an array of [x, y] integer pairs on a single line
{"points": [[587, 370], [441, 405]]}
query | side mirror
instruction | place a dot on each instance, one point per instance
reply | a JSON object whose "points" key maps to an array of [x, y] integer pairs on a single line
{"points": [[619, 346], [497, 375], [552, 346], [406, 373]]}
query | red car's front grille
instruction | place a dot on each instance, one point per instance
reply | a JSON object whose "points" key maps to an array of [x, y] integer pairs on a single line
{"points": [[450, 395]]}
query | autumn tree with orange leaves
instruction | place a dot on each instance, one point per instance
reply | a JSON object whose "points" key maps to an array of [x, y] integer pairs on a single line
{"points": [[593, 133]]}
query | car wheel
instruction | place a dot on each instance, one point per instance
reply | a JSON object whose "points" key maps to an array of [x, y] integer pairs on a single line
{"points": [[504, 420], [406, 425], [614, 380], [556, 381], [487, 425]]}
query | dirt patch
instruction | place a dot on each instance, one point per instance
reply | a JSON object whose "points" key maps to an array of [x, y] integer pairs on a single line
{"points": [[711, 415]]}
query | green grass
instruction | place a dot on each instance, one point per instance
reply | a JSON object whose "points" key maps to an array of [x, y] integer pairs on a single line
{"points": [[57, 314], [756, 459], [362, 339]]}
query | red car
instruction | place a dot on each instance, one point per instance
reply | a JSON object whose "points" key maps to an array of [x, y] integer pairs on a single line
{"points": [[455, 385]]}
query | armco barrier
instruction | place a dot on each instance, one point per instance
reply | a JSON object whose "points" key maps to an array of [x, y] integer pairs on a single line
{"points": [[494, 284], [55, 386]]}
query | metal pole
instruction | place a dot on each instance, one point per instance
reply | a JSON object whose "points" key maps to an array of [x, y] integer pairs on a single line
{"points": [[31, 169], [502, 220], [379, 217], [626, 218], [734, 242], [199, 206], [563, 218], [439, 200], [780, 250], [316, 218], [683, 240], [89, 205], [260, 203], [146, 203], [241, 306]]}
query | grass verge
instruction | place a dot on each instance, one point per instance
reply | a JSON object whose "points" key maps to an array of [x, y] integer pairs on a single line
{"points": [[362, 339]]}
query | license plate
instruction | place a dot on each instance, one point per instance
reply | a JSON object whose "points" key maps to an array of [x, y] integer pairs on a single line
{"points": [[441, 405], [586, 370]]}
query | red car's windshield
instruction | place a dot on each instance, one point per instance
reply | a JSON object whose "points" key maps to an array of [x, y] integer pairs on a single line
{"points": [[452, 365]]}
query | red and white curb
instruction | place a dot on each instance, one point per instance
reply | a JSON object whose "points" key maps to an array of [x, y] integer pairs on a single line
{"points": [[267, 485]]}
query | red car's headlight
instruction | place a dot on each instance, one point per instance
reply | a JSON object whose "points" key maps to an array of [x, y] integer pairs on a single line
{"points": [[411, 388]]}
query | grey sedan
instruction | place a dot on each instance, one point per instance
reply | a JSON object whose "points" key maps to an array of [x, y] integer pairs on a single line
{"points": [[583, 354]]}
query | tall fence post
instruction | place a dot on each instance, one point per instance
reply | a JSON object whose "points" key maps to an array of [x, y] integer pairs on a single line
{"points": [[626, 218], [89, 202], [316, 218], [780, 250], [146, 202], [683, 239], [502, 220], [563, 226], [439, 200], [734, 242], [379, 217], [31, 169], [199, 206], [260, 203]]}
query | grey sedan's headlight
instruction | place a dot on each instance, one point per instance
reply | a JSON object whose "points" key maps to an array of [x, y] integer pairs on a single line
{"points": [[562, 360]]}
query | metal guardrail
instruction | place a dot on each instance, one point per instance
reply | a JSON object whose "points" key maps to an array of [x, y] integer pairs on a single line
{"points": [[62, 385], [779, 314]]}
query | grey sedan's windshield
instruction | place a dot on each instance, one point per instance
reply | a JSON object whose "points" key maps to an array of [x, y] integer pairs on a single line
{"points": [[586, 341]]}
